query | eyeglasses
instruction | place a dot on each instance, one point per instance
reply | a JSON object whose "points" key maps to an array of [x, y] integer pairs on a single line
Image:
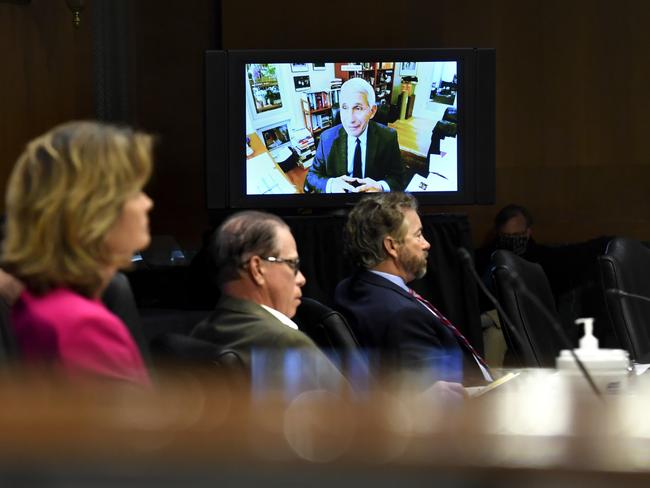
{"points": [[294, 264]]}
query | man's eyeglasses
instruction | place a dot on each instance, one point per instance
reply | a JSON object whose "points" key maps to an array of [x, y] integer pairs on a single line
{"points": [[294, 264]]}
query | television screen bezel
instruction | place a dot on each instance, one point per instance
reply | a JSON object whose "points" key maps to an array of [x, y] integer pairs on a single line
{"points": [[467, 135]]}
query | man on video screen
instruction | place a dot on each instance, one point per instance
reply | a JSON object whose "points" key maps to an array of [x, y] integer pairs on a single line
{"points": [[358, 155]]}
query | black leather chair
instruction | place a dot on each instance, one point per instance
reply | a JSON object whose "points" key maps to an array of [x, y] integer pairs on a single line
{"points": [[451, 115], [332, 334], [8, 347], [166, 347], [176, 349], [443, 128], [536, 343], [626, 266], [118, 298]]}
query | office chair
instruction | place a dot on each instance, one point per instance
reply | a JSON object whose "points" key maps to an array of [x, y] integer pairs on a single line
{"points": [[332, 334], [536, 343], [118, 298], [450, 115], [8, 346], [445, 127], [180, 349], [626, 266]]}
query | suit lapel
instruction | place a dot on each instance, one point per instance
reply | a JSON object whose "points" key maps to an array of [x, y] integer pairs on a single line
{"points": [[340, 153], [244, 306], [371, 151], [380, 281]]}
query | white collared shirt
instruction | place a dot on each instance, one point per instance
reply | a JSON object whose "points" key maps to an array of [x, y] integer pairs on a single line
{"points": [[352, 146], [281, 317]]}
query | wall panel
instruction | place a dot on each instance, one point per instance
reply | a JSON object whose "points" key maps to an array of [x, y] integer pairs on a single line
{"points": [[46, 75]]}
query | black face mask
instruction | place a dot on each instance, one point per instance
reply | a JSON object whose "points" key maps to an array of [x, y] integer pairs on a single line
{"points": [[516, 243]]}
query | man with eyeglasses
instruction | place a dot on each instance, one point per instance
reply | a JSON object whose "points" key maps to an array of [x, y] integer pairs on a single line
{"points": [[260, 281]]}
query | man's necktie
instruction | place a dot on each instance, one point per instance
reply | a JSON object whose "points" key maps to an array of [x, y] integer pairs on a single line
{"points": [[445, 321], [356, 170]]}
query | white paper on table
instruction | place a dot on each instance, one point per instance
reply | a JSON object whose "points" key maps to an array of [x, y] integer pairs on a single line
{"points": [[443, 172], [264, 177], [417, 183]]}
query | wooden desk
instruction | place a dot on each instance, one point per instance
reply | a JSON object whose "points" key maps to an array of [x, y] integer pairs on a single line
{"points": [[263, 162], [198, 429], [296, 176], [256, 145]]}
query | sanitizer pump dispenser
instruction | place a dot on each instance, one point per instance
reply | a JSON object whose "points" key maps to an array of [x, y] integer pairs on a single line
{"points": [[608, 367], [588, 341]]}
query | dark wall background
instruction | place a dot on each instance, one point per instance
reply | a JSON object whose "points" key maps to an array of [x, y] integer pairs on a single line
{"points": [[47, 78], [46, 75], [572, 92], [171, 38]]}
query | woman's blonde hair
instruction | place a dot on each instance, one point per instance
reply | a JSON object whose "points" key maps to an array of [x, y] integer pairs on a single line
{"points": [[64, 194]]}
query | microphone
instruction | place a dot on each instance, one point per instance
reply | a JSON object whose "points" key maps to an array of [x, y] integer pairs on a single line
{"points": [[621, 293], [516, 282], [468, 263]]}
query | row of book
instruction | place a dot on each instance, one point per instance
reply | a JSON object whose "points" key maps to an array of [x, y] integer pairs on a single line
{"points": [[334, 97], [320, 122], [321, 100], [318, 100]]}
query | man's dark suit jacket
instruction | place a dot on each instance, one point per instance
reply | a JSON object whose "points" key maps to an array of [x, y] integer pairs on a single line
{"points": [[383, 157], [247, 328], [400, 333]]}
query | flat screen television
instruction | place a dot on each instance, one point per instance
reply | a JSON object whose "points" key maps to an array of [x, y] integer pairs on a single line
{"points": [[282, 126]]}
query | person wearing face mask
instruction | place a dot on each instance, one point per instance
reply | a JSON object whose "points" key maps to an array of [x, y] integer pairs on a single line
{"points": [[568, 266], [513, 232], [358, 155], [513, 225]]}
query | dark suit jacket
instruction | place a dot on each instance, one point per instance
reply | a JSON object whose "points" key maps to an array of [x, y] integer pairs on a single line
{"points": [[383, 157], [399, 332], [252, 331]]}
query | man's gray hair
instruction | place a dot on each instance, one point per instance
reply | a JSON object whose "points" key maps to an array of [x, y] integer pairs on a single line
{"points": [[370, 221], [240, 237], [359, 85]]}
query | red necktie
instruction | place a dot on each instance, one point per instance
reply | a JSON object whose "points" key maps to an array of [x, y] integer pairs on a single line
{"points": [[445, 321]]}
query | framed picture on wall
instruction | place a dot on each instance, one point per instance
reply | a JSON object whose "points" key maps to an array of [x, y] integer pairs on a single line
{"points": [[318, 66], [265, 90], [408, 68], [299, 67], [301, 82]]}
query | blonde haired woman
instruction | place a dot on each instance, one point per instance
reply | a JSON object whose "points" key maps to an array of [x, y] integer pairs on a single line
{"points": [[76, 213]]}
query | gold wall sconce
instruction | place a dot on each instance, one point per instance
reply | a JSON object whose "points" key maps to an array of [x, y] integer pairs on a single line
{"points": [[75, 6]]}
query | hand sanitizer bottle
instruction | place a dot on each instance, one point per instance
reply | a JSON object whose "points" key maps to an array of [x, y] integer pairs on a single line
{"points": [[609, 368]]}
